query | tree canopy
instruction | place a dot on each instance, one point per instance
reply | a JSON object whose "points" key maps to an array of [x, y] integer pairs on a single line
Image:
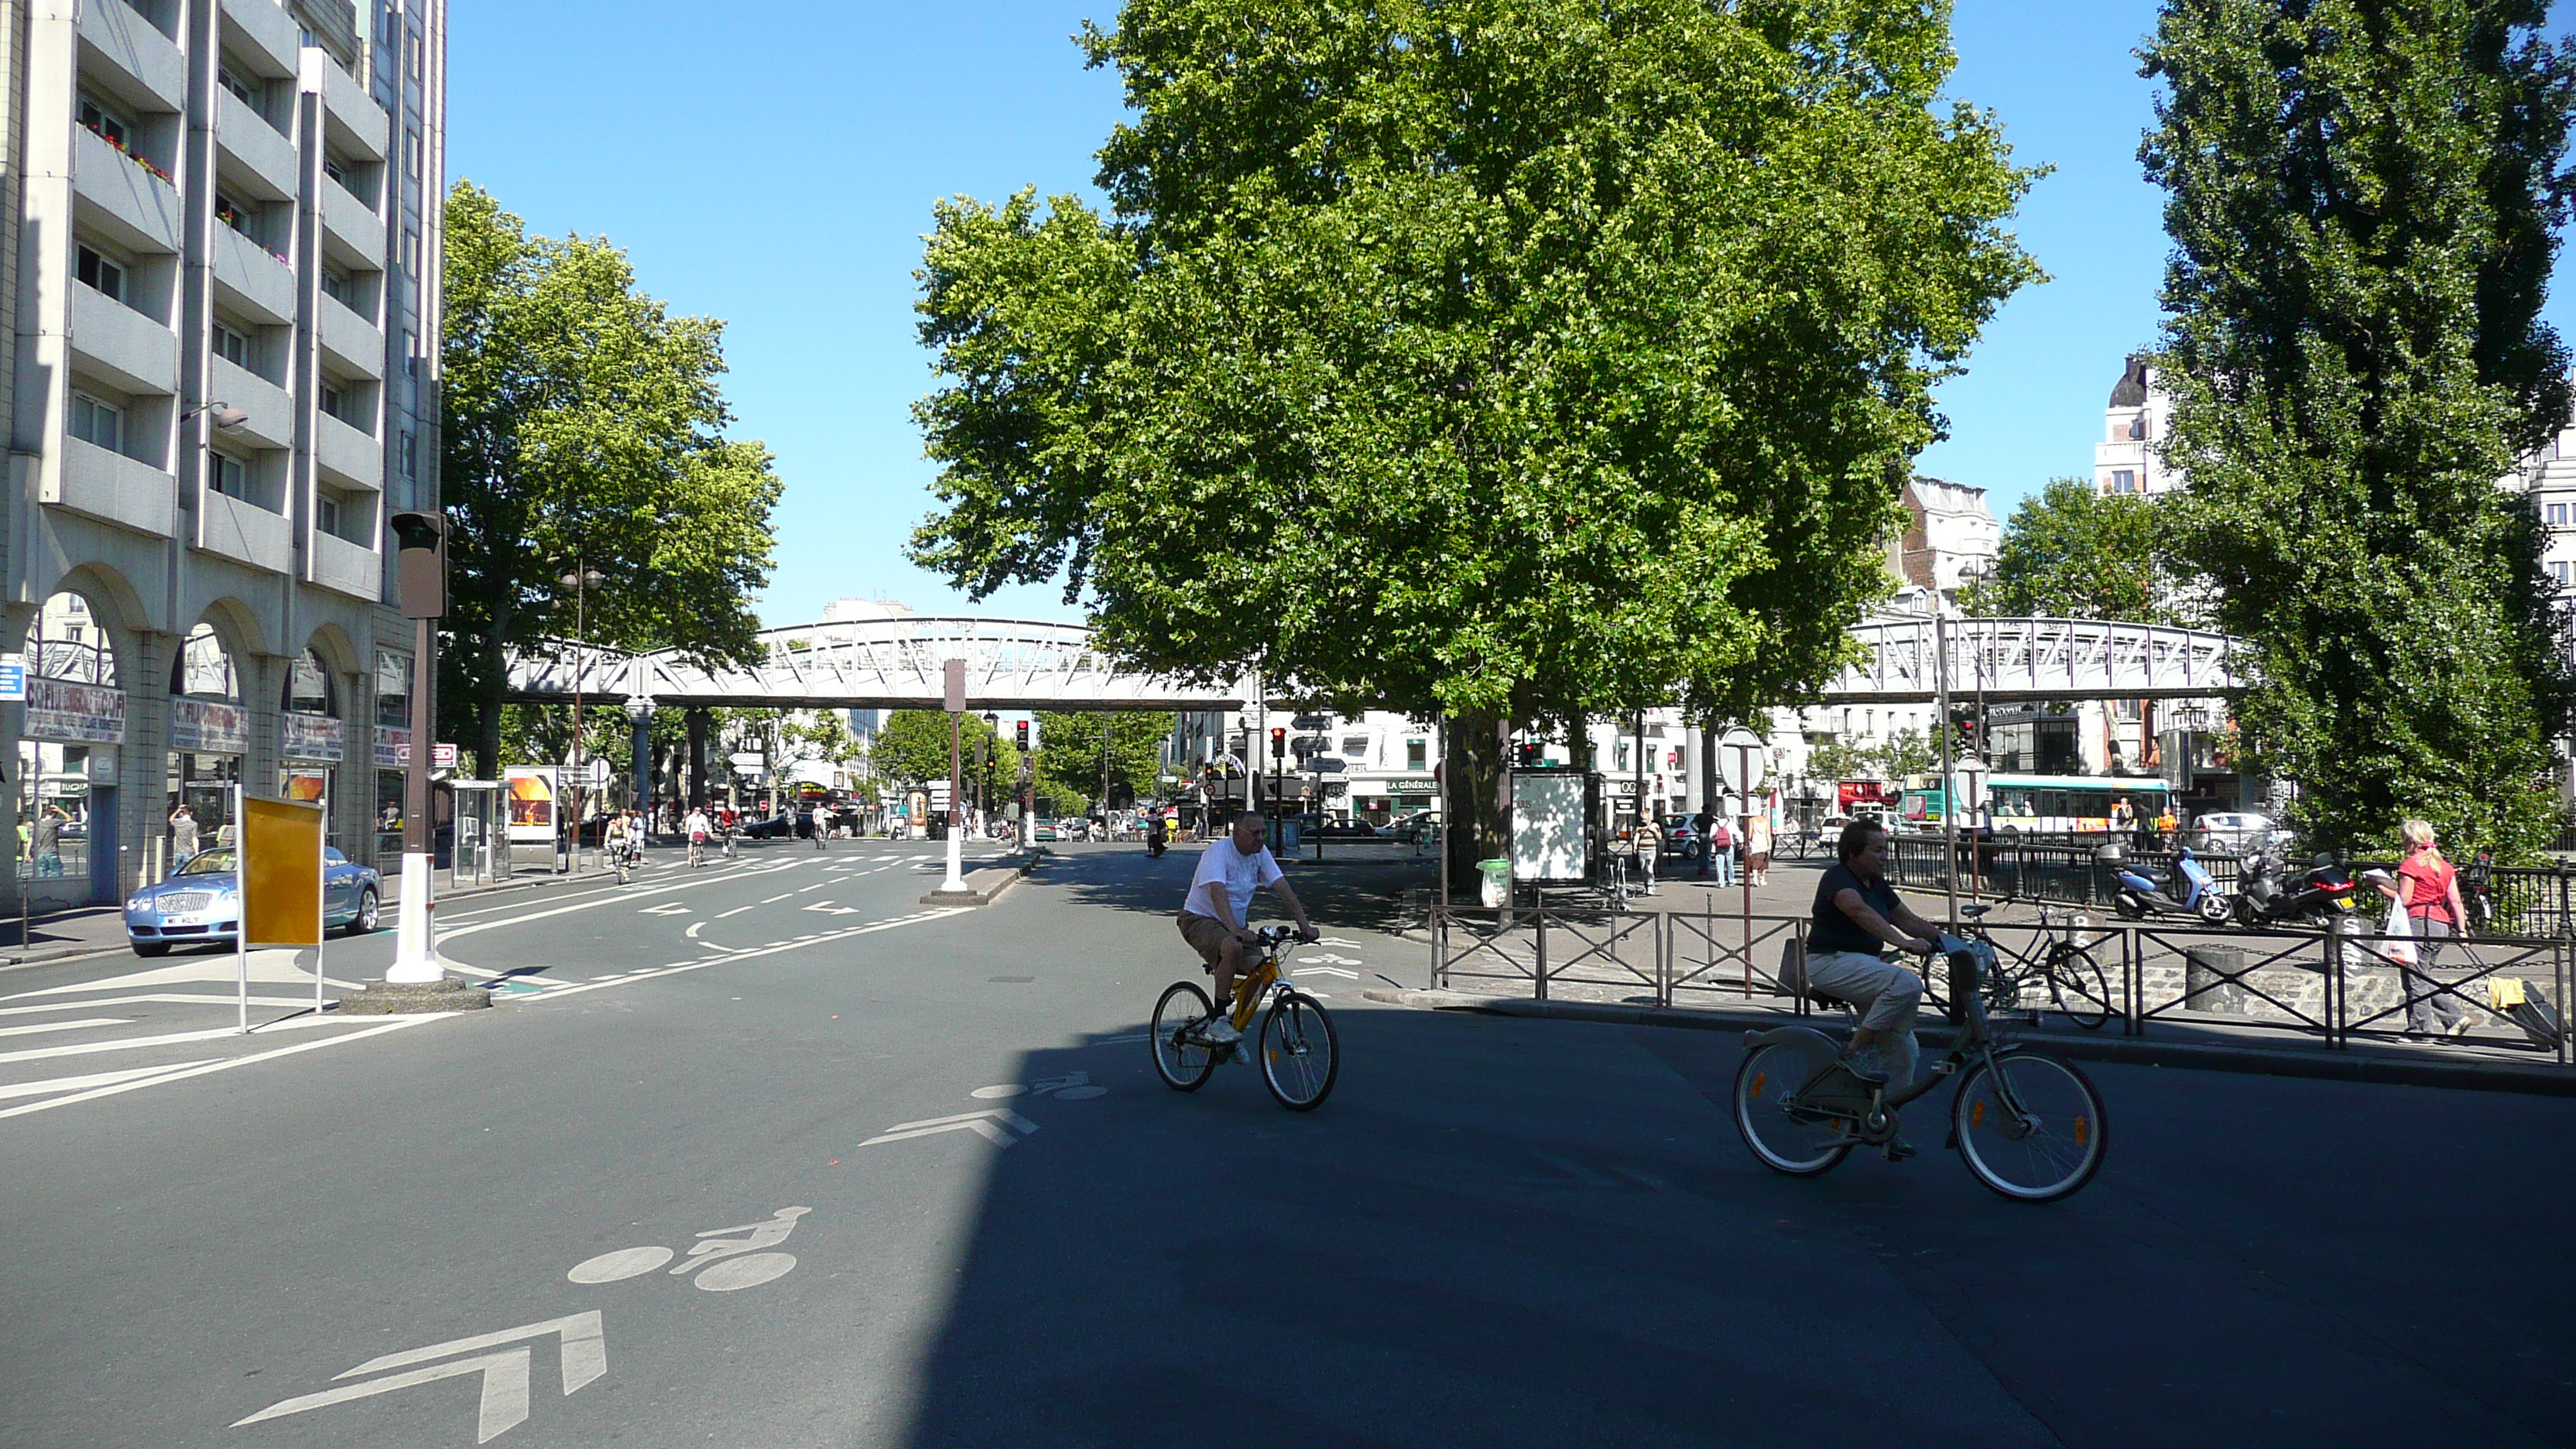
{"points": [[1070, 752], [2073, 552], [1508, 359], [584, 425], [2364, 198]]}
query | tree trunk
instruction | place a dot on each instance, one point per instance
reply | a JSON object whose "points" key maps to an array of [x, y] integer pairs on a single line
{"points": [[1473, 798]]}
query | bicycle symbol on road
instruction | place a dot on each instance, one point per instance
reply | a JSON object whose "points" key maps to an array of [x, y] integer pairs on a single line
{"points": [[741, 1263], [1071, 1087]]}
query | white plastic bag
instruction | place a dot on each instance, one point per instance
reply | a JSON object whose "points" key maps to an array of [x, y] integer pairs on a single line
{"points": [[2400, 946]]}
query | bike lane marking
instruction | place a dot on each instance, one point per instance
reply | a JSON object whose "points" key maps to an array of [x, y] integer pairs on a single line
{"points": [[176, 1074], [604, 900], [747, 952]]}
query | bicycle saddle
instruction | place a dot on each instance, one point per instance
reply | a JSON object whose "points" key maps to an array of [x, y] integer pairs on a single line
{"points": [[1972, 912]]}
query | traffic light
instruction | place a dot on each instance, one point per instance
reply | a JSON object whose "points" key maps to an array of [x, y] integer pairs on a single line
{"points": [[1963, 730], [1530, 754], [1278, 744], [1024, 734]]}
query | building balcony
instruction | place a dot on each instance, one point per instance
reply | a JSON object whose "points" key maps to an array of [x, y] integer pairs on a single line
{"points": [[347, 456], [122, 345], [256, 281], [271, 409], [130, 204], [114, 35], [112, 488], [245, 532], [356, 121], [351, 340], [262, 153], [352, 227], [349, 568], [262, 28]]}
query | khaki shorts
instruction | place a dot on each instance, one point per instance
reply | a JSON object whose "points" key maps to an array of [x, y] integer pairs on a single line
{"points": [[1207, 935]]}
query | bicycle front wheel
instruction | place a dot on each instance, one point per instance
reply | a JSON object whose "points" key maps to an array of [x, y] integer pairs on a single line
{"points": [[2077, 985], [1181, 1059], [1301, 1054], [1785, 1138], [2030, 1127]]}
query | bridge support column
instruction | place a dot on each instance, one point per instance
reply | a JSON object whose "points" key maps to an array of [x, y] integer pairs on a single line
{"points": [[697, 723]]}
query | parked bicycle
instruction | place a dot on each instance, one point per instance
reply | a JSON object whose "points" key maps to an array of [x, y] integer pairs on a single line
{"points": [[1299, 1053], [2075, 982], [2028, 1125]]}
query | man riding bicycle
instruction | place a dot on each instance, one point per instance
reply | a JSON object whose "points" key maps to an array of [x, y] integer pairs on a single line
{"points": [[697, 827], [1214, 915], [1856, 914]]}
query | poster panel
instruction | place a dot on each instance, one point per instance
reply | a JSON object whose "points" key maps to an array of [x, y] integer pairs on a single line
{"points": [[309, 737], [530, 792], [206, 727], [60, 710], [1549, 841], [393, 747], [281, 873]]}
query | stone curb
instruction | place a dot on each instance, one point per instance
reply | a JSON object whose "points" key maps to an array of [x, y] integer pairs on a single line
{"points": [[983, 887], [2130, 1051]]}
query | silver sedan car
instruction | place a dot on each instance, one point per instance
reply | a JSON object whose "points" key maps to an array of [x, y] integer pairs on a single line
{"points": [[200, 904]]}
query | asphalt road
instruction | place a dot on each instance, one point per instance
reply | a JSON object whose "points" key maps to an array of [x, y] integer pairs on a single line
{"points": [[773, 1154]]}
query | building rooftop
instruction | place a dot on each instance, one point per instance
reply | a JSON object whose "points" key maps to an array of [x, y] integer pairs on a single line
{"points": [[2131, 391]]}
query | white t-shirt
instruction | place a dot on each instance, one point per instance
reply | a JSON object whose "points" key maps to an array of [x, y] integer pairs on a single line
{"points": [[697, 825], [1239, 873]]}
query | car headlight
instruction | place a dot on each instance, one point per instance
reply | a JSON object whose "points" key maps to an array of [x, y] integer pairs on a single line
{"points": [[139, 903]]}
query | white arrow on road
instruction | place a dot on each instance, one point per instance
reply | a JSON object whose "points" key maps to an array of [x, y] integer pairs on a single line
{"points": [[1329, 959], [829, 909], [505, 1374], [1306, 970], [980, 1123]]}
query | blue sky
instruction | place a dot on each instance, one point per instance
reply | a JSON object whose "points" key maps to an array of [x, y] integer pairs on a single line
{"points": [[784, 188]]}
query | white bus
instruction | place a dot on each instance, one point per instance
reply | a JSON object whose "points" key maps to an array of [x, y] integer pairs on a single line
{"points": [[2043, 804]]}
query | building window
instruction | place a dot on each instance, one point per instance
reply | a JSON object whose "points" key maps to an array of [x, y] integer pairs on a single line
{"points": [[2123, 481], [1355, 746], [411, 154], [2558, 570], [97, 422], [109, 126], [228, 476], [326, 514], [1416, 753], [232, 346], [411, 251], [103, 275], [232, 214], [411, 43], [337, 286], [335, 402], [2557, 511], [332, 168], [410, 465], [240, 88]]}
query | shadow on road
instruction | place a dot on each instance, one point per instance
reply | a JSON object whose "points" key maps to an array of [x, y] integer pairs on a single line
{"points": [[1503, 1232], [1361, 894]]}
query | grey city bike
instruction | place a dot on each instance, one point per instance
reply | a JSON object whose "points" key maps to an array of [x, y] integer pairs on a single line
{"points": [[2075, 982], [2028, 1125]]}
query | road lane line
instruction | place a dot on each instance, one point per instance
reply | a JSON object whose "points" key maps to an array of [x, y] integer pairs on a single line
{"points": [[180, 1074], [736, 911], [67, 1025], [816, 886], [773, 900], [746, 953], [695, 927], [95, 1079], [603, 900]]}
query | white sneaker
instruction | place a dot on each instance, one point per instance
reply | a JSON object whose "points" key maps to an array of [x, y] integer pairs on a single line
{"points": [[1220, 1030]]}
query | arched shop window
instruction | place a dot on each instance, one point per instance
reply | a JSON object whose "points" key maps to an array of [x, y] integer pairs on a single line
{"points": [[204, 669], [209, 734], [310, 689], [393, 723], [74, 721], [310, 736]]}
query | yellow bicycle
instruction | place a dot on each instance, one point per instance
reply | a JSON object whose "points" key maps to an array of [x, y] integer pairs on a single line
{"points": [[1297, 1049]]}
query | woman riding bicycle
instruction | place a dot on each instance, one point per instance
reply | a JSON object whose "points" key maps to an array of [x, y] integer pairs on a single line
{"points": [[1857, 913]]}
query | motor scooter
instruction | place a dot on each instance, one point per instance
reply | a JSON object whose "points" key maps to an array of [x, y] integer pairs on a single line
{"points": [[2136, 895], [2317, 896]]}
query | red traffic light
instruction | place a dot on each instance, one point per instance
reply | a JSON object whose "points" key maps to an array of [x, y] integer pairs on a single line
{"points": [[1278, 744], [1024, 734]]}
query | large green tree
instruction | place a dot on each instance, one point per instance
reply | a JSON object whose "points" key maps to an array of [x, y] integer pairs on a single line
{"points": [[1078, 749], [583, 424], [2364, 202], [1512, 360], [2073, 552]]}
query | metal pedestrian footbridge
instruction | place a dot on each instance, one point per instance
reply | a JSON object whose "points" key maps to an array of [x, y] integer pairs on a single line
{"points": [[899, 663], [2032, 659], [893, 663]]}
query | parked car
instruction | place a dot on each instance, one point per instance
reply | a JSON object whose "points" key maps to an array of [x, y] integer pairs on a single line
{"points": [[200, 903], [2231, 832], [1042, 829], [1681, 838], [1344, 830]]}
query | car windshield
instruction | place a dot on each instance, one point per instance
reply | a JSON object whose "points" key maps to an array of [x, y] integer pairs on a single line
{"points": [[211, 862]]}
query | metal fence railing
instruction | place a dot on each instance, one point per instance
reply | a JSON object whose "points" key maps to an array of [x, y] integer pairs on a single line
{"points": [[2336, 988]]}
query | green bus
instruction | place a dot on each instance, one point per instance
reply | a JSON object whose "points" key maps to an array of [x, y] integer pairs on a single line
{"points": [[2041, 804]]}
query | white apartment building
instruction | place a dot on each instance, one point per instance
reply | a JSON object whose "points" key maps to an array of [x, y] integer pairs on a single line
{"points": [[222, 255], [1381, 763], [1949, 534], [2123, 462]]}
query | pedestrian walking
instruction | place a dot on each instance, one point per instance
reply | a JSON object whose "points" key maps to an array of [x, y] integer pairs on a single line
{"points": [[1649, 842], [1721, 846], [183, 834], [2429, 910], [1704, 822], [1757, 847]]}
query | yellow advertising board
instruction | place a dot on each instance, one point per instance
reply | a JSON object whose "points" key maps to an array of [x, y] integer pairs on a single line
{"points": [[281, 873]]}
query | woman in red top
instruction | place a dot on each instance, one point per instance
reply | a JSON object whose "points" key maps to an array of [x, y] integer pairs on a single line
{"points": [[2429, 890]]}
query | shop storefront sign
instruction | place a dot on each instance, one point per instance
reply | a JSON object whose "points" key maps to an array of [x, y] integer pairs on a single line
{"points": [[205, 727], [393, 747], [309, 737], [59, 710]]}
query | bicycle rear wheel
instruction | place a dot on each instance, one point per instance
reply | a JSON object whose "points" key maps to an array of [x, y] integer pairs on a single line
{"points": [[2077, 985], [2030, 1127], [1301, 1054], [1797, 1143], [1181, 1059]]}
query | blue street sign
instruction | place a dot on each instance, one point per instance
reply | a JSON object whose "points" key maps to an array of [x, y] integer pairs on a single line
{"points": [[13, 676]]}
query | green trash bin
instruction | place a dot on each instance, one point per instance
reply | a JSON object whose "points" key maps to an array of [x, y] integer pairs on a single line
{"points": [[1497, 890]]}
